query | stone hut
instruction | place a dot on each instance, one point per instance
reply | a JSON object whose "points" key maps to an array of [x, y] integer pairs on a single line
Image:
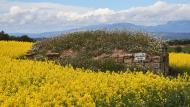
{"points": [[131, 49]]}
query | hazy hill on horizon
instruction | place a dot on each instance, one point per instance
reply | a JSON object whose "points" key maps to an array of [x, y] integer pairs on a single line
{"points": [[170, 30]]}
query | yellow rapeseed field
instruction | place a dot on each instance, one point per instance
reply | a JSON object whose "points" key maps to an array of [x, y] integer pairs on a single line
{"points": [[180, 61], [27, 83]]}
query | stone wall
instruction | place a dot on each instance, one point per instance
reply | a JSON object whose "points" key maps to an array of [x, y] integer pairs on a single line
{"points": [[154, 62]]}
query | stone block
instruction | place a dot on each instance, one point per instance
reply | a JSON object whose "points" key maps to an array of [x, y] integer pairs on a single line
{"points": [[52, 54], [155, 65], [120, 60], [128, 60], [156, 59]]}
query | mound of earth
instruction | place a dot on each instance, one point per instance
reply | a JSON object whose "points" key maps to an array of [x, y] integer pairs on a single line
{"points": [[95, 49]]}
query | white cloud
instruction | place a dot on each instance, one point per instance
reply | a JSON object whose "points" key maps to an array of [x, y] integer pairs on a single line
{"points": [[40, 17], [158, 13]]}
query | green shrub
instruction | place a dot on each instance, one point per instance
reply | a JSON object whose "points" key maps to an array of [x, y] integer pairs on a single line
{"points": [[178, 49], [85, 62]]}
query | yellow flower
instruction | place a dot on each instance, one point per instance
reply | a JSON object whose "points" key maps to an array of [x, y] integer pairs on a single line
{"points": [[30, 83]]}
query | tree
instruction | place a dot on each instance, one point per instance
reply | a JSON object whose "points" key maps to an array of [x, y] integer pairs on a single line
{"points": [[26, 38], [2, 32], [4, 36], [178, 49]]}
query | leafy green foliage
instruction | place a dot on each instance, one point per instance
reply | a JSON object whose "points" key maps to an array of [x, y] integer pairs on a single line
{"points": [[176, 44], [24, 38], [179, 42], [96, 65], [184, 49], [178, 49]]}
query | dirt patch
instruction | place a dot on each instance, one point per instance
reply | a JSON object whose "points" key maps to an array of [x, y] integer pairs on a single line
{"points": [[68, 53], [118, 53], [103, 56]]}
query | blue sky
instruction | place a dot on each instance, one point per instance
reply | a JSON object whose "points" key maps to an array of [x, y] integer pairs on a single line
{"points": [[112, 4], [57, 15]]}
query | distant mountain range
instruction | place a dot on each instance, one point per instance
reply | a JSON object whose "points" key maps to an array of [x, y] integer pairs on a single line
{"points": [[170, 30]]}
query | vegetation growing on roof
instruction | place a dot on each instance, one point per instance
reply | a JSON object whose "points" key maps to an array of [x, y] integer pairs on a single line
{"points": [[102, 41]]}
